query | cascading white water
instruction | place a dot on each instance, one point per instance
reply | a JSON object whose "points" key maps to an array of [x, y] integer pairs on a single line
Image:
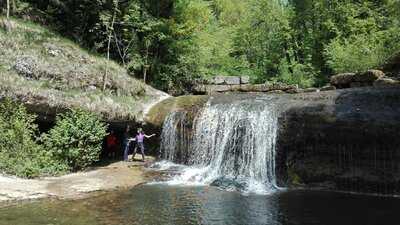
{"points": [[171, 135], [233, 144]]}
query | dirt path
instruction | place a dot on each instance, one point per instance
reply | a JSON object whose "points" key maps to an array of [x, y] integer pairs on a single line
{"points": [[76, 185]]}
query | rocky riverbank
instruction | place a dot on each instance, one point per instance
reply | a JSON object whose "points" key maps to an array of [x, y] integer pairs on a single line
{"points": [[113, 176]]}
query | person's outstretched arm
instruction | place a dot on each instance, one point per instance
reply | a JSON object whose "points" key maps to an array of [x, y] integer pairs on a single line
{"points": [[132, 139], [149, 136]]}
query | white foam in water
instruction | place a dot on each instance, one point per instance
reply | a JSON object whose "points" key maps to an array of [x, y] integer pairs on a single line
{"points": [[166, 165], [190, 176], [233, 143]]}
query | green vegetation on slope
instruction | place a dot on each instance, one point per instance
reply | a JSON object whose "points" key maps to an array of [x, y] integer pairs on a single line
{"points": [[39, 67], [176, 42]]}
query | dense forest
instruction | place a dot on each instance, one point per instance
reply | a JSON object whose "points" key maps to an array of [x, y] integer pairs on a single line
{"points": [[173, 43]]}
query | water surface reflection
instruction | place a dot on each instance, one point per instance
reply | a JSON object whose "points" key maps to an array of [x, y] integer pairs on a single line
{"points": [[172, 205]]}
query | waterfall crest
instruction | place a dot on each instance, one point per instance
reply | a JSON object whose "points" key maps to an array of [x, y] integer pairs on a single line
{"points": [[232, 145]]}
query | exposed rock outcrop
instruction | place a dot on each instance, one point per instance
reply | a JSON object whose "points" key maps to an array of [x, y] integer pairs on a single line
{"points": [[369, 76], [341, 140], [354, 80], [73, 186], [267, 87], [386, 82], [342, 80], [229, 80], [157, 114]]}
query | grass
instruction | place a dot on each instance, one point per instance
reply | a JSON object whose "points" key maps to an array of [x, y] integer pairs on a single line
{"points": [[63, 75]]}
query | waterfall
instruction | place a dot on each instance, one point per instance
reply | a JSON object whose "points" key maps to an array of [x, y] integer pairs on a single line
{"points": [[171, 135], [232, 145]]}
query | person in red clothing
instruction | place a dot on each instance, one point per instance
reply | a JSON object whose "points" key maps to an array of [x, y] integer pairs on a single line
{"points": [[112, 144]]}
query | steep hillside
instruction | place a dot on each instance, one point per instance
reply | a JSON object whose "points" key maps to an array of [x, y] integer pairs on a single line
{"points": [[50, 74]]}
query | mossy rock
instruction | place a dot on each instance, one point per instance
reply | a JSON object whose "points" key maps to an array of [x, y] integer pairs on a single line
{"points": [[191, 104], [293, 178]]}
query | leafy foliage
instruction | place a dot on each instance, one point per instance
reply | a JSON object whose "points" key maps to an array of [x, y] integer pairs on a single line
{"points": [[73, 143], [20, 153], [174, 42], [357, 54], [76, 139]]}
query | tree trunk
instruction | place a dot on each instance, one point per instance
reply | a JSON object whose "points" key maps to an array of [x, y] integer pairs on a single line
{"points": [[144, 74], [108, 58], [109, 32], [8, 9], [146, 62], [14, 7]]}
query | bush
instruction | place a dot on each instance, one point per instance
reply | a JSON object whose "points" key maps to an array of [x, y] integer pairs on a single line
{"points": [[76, 139], [362, 52], [20, 153], [303, 75]]}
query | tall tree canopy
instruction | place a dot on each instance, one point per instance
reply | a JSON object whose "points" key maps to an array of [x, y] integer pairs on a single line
{"points": [[174, 42]]}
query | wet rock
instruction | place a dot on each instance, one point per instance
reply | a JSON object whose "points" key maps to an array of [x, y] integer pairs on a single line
{"points": [[341, 138], [386, 82], [157, 114], [358, 84], [229, 184]]}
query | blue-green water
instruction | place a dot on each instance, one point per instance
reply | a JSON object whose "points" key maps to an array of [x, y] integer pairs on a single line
{"points": [[164, 205]]}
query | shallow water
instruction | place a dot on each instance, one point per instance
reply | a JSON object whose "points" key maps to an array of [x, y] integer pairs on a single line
{"points": [[163, 204]]}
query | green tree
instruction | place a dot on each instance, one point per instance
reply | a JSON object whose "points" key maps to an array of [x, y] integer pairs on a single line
{"points": [[172, 43], [76, 139]]}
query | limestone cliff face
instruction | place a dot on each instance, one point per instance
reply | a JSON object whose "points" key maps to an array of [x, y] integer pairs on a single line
{"points": [[343, 140]]}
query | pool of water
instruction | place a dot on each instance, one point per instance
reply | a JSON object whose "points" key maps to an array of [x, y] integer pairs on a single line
{"points": [[164, 205]]}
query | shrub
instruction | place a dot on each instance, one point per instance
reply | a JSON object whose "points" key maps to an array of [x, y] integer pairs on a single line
{"points": [[76, 139], [20, 153], [362, 52], [303, 75]]}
